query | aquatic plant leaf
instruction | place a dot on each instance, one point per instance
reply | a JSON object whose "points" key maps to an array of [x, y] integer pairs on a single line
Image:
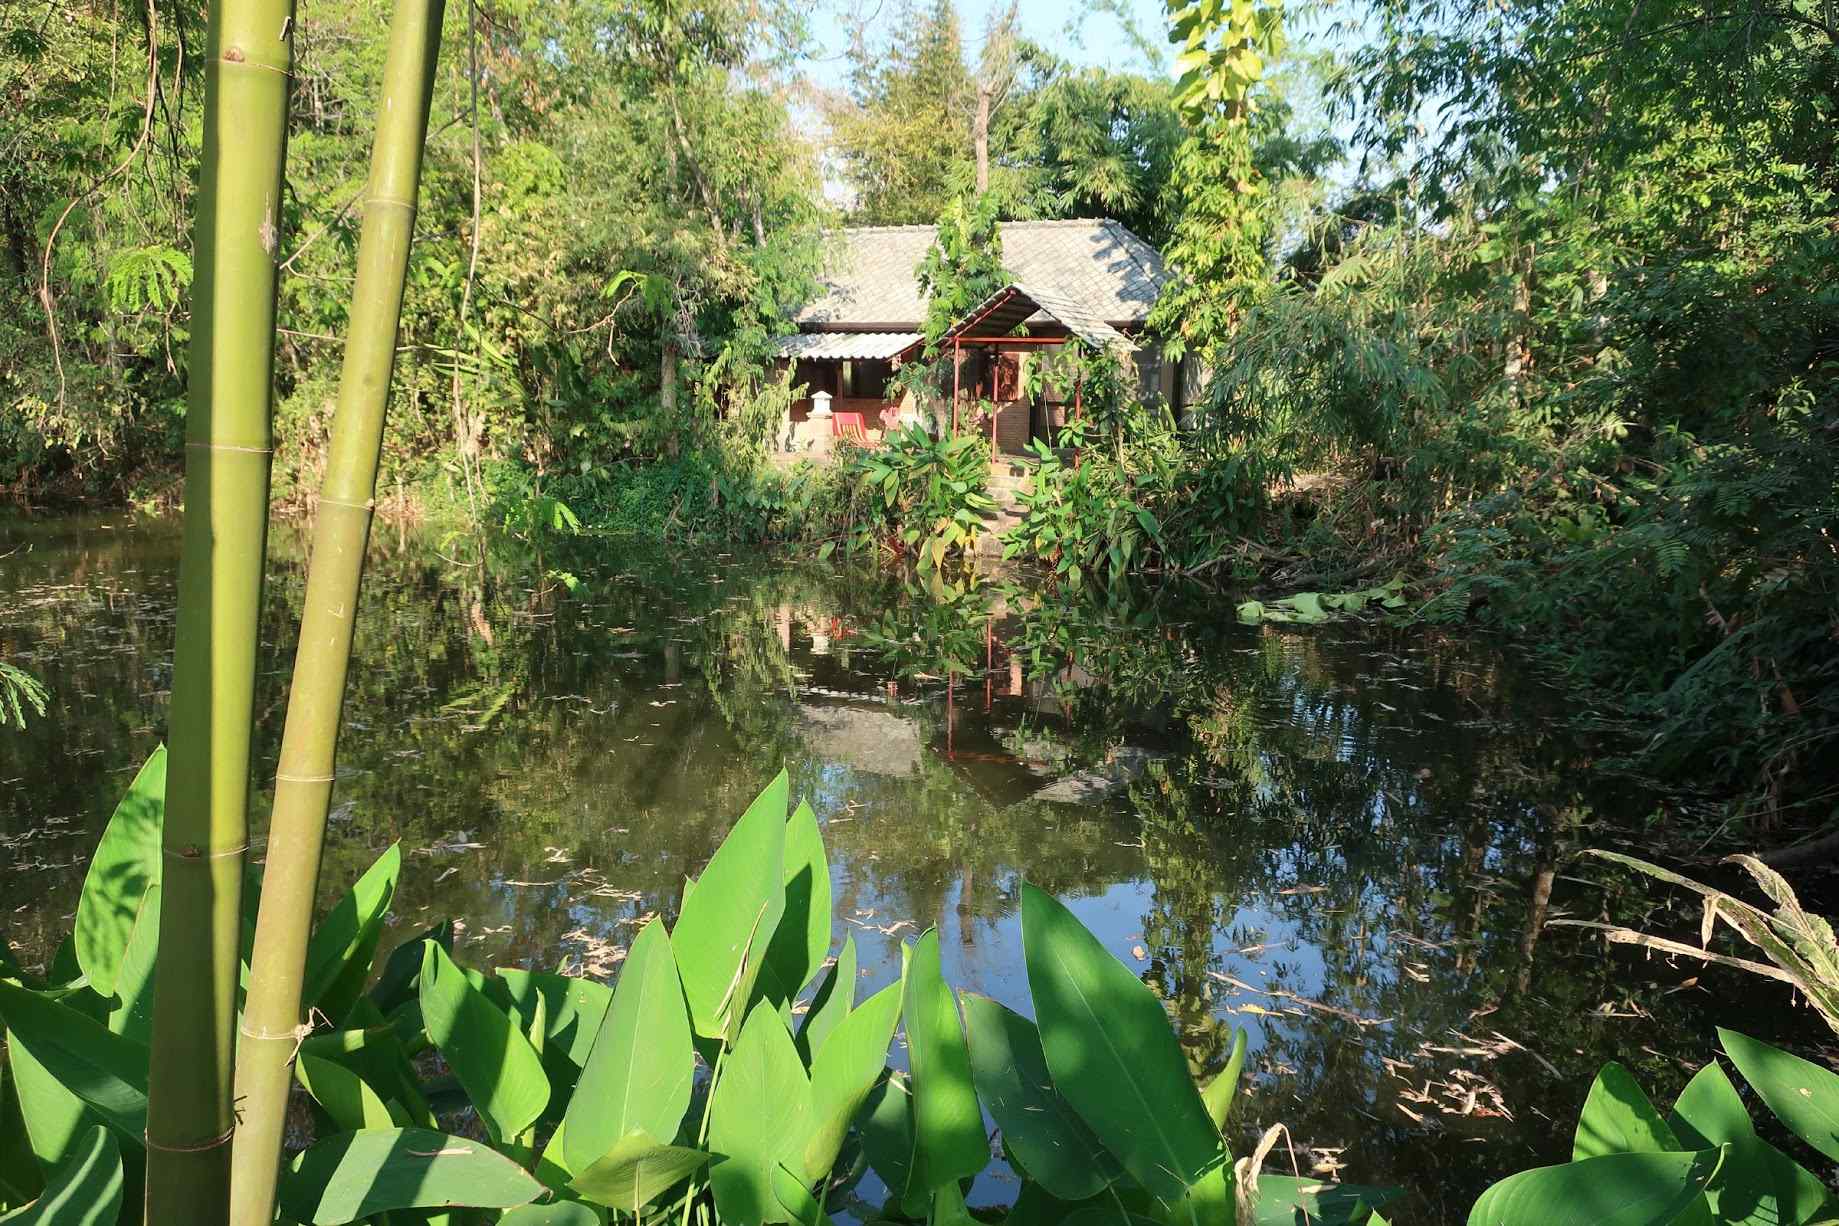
{"points": [[948, 1207], [1043, 1132], [1759, 1185], [728, 920], [802, 939], [796, 1199], [844, 1073], [84, 1190], [126, 864], [635, 1171], [1112, 1052], [573, 1009], [887, 1138], [131, 1010], [396, 986], [1105, 1215], [1613, 1190], [639, 1071], [355, 1175], [948, 1137], [1709, 1112], [758, 1117], [502, 1074], [1221, 1090], [340, 951], [1618, 1119], [1283, 1200], [346, 1097], [561, 1213], [105, 1070], [52, 1116], [1802, 1095], [836, 996]]}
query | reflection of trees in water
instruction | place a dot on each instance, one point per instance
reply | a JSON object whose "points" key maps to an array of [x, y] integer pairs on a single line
{"points": [[1389, 817]]}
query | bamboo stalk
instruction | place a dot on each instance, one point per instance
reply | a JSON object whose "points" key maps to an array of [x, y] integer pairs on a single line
{"points": [[271, 1026], [249, 59]]}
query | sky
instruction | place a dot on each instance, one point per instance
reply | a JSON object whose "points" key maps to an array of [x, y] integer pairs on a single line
{"points": [[1070, 29]]}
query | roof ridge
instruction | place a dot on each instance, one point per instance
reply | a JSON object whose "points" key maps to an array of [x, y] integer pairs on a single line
{"points": [[1029, 222], [1125, 232]]}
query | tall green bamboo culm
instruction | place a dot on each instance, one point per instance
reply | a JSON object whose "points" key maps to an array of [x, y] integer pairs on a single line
{"points": [[248, 64], [309, 743]]}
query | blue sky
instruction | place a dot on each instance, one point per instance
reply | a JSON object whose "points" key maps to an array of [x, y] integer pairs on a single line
{"points": [[1070, 29]]}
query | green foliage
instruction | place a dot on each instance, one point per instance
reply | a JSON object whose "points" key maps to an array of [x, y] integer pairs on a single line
{"points": [[85, 1190], [354, 1175], [926, 495], [19, 690], [962, 268], [1703, 1163]]}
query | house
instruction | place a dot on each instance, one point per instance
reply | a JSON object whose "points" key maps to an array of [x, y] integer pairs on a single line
{"points": [[1087, 282]]}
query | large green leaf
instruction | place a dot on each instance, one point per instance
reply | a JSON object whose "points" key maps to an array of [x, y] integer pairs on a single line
{"points": [[836, 996], [53, 1116], [1283, 1200], [729, 918], [355, 1175], [131, 1009], [1221, 1090], [887, 1139], [561, 1213], [758, 1117], [487, 1051], [343, 1094], [340, 951], [85, 1190], [846, 1069], [1802, 1095], [635, 1172], [1709, 1111], [397, 985], [802, 939], [1618, 1119], [1759, 1185], [1112, 1052], [796, 1199], [1041, 1129], [948, 1138], [126, 863], [1640, 1189], [573, 1009], [640, 1069], [103, 1069]]}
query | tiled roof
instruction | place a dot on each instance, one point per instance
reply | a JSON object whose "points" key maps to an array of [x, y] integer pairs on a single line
{"points": [[1112, 274], [844, 345], [1015, 304]]}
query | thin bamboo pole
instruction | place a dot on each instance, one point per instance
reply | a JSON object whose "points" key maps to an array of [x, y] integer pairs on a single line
{"points": [[303, 782], [248, 63]]}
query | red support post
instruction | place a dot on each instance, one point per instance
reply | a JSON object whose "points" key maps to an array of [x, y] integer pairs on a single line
{"points": [[1079, 380], [957, 372]]}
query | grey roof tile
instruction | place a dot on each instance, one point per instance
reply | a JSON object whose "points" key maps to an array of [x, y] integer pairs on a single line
{"points": [[1098, 264]]}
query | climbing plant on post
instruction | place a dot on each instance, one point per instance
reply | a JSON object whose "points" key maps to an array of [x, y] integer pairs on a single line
{"points": [[303, 781], [248, 66], [1217, 249]]}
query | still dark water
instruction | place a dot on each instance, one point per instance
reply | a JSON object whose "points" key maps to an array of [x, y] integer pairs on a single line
{"points": [[1345, 839]]}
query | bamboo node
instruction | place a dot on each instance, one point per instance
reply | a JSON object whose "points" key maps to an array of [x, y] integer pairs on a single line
{"points": [[229, 447], [285, 778], [369, 505], [222, 1138], [194, 852]]}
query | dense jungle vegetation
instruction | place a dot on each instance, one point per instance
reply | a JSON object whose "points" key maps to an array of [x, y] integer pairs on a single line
{"points": [[1536, 300]]}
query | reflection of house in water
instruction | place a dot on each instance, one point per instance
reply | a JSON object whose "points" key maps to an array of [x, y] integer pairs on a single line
{"points": [[851, 713]]}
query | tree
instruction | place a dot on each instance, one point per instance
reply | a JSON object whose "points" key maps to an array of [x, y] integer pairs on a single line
{"points": [[964, 267], [903, 128]]}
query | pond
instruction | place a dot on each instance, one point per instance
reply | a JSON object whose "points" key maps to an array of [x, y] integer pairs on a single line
{"points": [[1346, 839]]}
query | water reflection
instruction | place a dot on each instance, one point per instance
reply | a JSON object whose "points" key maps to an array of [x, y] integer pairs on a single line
{"points": [[1345, 839]]}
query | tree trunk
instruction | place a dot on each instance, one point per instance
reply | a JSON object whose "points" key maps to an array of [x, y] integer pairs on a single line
{"points": [[667, 395], [248, 66], [303, 782], [981, 135]]}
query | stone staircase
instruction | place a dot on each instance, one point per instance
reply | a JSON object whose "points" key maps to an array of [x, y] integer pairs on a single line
{"points": [[1008, 478]]}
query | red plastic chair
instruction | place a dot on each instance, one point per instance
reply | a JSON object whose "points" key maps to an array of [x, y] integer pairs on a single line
{"points": [[851, 427]]}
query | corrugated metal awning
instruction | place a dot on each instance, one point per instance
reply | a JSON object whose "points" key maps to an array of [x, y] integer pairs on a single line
{"points": [[844, 346]]}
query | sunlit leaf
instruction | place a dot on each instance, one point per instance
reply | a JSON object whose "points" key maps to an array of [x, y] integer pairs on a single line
{"points": [[355, 1175], [502, 1074], [126, 864]]}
